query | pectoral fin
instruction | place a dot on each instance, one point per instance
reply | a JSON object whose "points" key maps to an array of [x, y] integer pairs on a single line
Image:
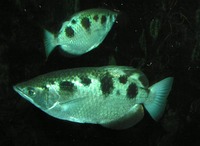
{"points": [[135, 114], [69, 110]]}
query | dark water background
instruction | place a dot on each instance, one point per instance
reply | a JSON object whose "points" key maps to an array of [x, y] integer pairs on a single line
{"points": [[162, 37]]}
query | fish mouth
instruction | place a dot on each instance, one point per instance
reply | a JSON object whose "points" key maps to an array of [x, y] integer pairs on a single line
{"points": [[20, 92], [17, 89]]}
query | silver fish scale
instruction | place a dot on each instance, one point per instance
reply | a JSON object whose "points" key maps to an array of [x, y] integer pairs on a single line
{"points": [[90, 101]]}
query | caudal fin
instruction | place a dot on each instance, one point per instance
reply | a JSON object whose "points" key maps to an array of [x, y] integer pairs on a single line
{"points": [[49, 42], [157, 99]]}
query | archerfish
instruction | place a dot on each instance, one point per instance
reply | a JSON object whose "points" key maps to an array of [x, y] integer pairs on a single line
{"points": [[83, 32], [112, 96]]}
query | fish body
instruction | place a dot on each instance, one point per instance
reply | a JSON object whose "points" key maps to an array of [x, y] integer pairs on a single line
{"points": [[83, 32], [112, 96]]}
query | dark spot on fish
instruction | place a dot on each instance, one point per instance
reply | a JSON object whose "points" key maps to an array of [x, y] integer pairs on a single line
{"points": [[143, 80], [69, 32], [86, 23], [132, 90], [96, 17], [103, 19], [67, 86], [73, 21], [106, 84], [85, 81], [123, 79], [118, 93]]}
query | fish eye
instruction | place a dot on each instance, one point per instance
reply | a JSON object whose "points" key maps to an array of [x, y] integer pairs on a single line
{"points": [[31, 92]]}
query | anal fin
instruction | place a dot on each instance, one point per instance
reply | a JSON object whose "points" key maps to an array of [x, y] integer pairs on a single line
{"points": [[135, 114]]}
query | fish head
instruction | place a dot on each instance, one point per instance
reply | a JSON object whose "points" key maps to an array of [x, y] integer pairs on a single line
{"points": [[40, 94]]}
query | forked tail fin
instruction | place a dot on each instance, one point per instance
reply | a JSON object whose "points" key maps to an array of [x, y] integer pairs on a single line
{"points": [[49, 42], [157, 98]]}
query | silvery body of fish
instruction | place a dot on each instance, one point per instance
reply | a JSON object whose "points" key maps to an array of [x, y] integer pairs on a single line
{"points": [[112, 96], [83, 32]]}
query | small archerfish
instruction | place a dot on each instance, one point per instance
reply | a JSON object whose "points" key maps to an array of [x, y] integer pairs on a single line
{"points": [[83, 32], [112, 96]]}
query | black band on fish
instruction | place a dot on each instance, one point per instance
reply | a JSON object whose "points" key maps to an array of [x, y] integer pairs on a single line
{"points": [[69, 32], [132, 90], [67, 85], [123, 79], [103, 19], [86, 23], [107, 84], [73, 21], [85, 81], [96, 17]]}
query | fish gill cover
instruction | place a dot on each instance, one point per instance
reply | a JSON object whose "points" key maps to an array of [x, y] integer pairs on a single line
{"points": [[161, 37]]}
